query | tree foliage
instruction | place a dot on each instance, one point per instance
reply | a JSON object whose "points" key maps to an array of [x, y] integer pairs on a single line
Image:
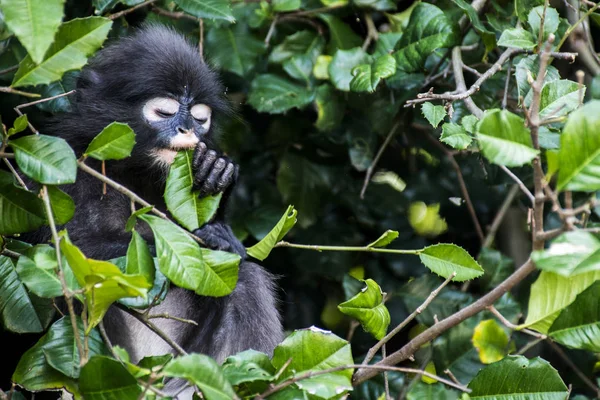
{"points": [[404, 165]]}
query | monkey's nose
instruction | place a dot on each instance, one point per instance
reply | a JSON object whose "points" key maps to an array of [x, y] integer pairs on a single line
{"points": [[183, 130]]}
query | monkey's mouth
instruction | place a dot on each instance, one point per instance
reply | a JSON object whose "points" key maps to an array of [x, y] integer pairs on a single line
{"points": [[180, 142]]}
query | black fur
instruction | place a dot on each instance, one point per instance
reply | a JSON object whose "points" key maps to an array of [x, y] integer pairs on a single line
{"points": [[157, 62]]}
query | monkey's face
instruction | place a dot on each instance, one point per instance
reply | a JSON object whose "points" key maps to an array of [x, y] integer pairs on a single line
{"points": [[179, 124]]}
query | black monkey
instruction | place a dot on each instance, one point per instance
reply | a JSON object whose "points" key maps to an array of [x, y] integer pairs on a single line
{"points": [[156, 82]]}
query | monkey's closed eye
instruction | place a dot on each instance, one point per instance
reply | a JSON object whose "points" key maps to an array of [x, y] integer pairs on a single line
{"points": [[201, 113], [159, 108]]}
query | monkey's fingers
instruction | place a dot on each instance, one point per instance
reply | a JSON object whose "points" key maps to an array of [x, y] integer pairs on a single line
{"points": [[210, 184], [226, 178], [204, 169], [199, 154]]}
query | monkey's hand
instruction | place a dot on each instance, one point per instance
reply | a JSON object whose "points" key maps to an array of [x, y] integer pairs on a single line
{"points": [[213, 173], [219, 236]]}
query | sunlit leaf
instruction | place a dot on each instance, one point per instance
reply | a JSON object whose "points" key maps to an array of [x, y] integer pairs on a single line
{"points": [[115, 142], [433, 114], [34, 22], [491, 341], [74, 42]]}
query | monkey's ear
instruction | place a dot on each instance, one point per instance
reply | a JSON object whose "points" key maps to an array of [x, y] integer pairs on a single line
{"points": [[88, 78]]}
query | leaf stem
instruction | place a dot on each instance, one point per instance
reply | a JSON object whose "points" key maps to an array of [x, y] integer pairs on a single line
{"points": [[367, 249]]}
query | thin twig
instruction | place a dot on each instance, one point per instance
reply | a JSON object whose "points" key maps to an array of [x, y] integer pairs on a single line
{"points": [[373, 350], [167, 316], [497, 66], [371, 168], [374, 368], [107, 340], [318, 247], [512, 326], [507, 84], [8, 89], [372, 33], [519, 183], [574, 367], [6, 155], [364, 374], [201, 39], [271, 30], [150, 325], [10, 253], [174, 15], [461, 86], [61, 276], [129, 10], [9, 69], [461, 182], [489, 238], [31, 103]]}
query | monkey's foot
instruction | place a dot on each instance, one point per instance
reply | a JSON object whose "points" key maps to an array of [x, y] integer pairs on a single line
{"points": [[213, 174], [219, 236]]}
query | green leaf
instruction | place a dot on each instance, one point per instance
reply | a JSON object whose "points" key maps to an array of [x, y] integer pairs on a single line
{"points": [[16, 307], [527, 69], [559, 98], [115, 142], [578, 325], [516, 377], [297, 44], [301, 183], [579, 154], [551, 21], [104, 378], [45, 159], [488, 37], [204, 372], [386, 238], [330, 108], [321, 68], [34, 22], [455, 136], [63, 206], [102, 281], [389, 178], [379, 5], [37, 268], [299, 67], [570, 254], [550, 294], [341, 36], [497, 267], [132, 220], [517, 38], [248, 366], [208, 273], [33, 372], [74, 42], [262, 249], [60, 348], [522, 7], [426, 220], [433, 114], [444, 259], [315, 350], [139, 259], [234, 48], [367, 76], [491, 341], [20, 210], [429, 29], [425, 391], [272, 94], [342, 65], [285, 5], [19, 125], [103, 6], [504, 139], [184, 204], [213, 9], [368, 308]]}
